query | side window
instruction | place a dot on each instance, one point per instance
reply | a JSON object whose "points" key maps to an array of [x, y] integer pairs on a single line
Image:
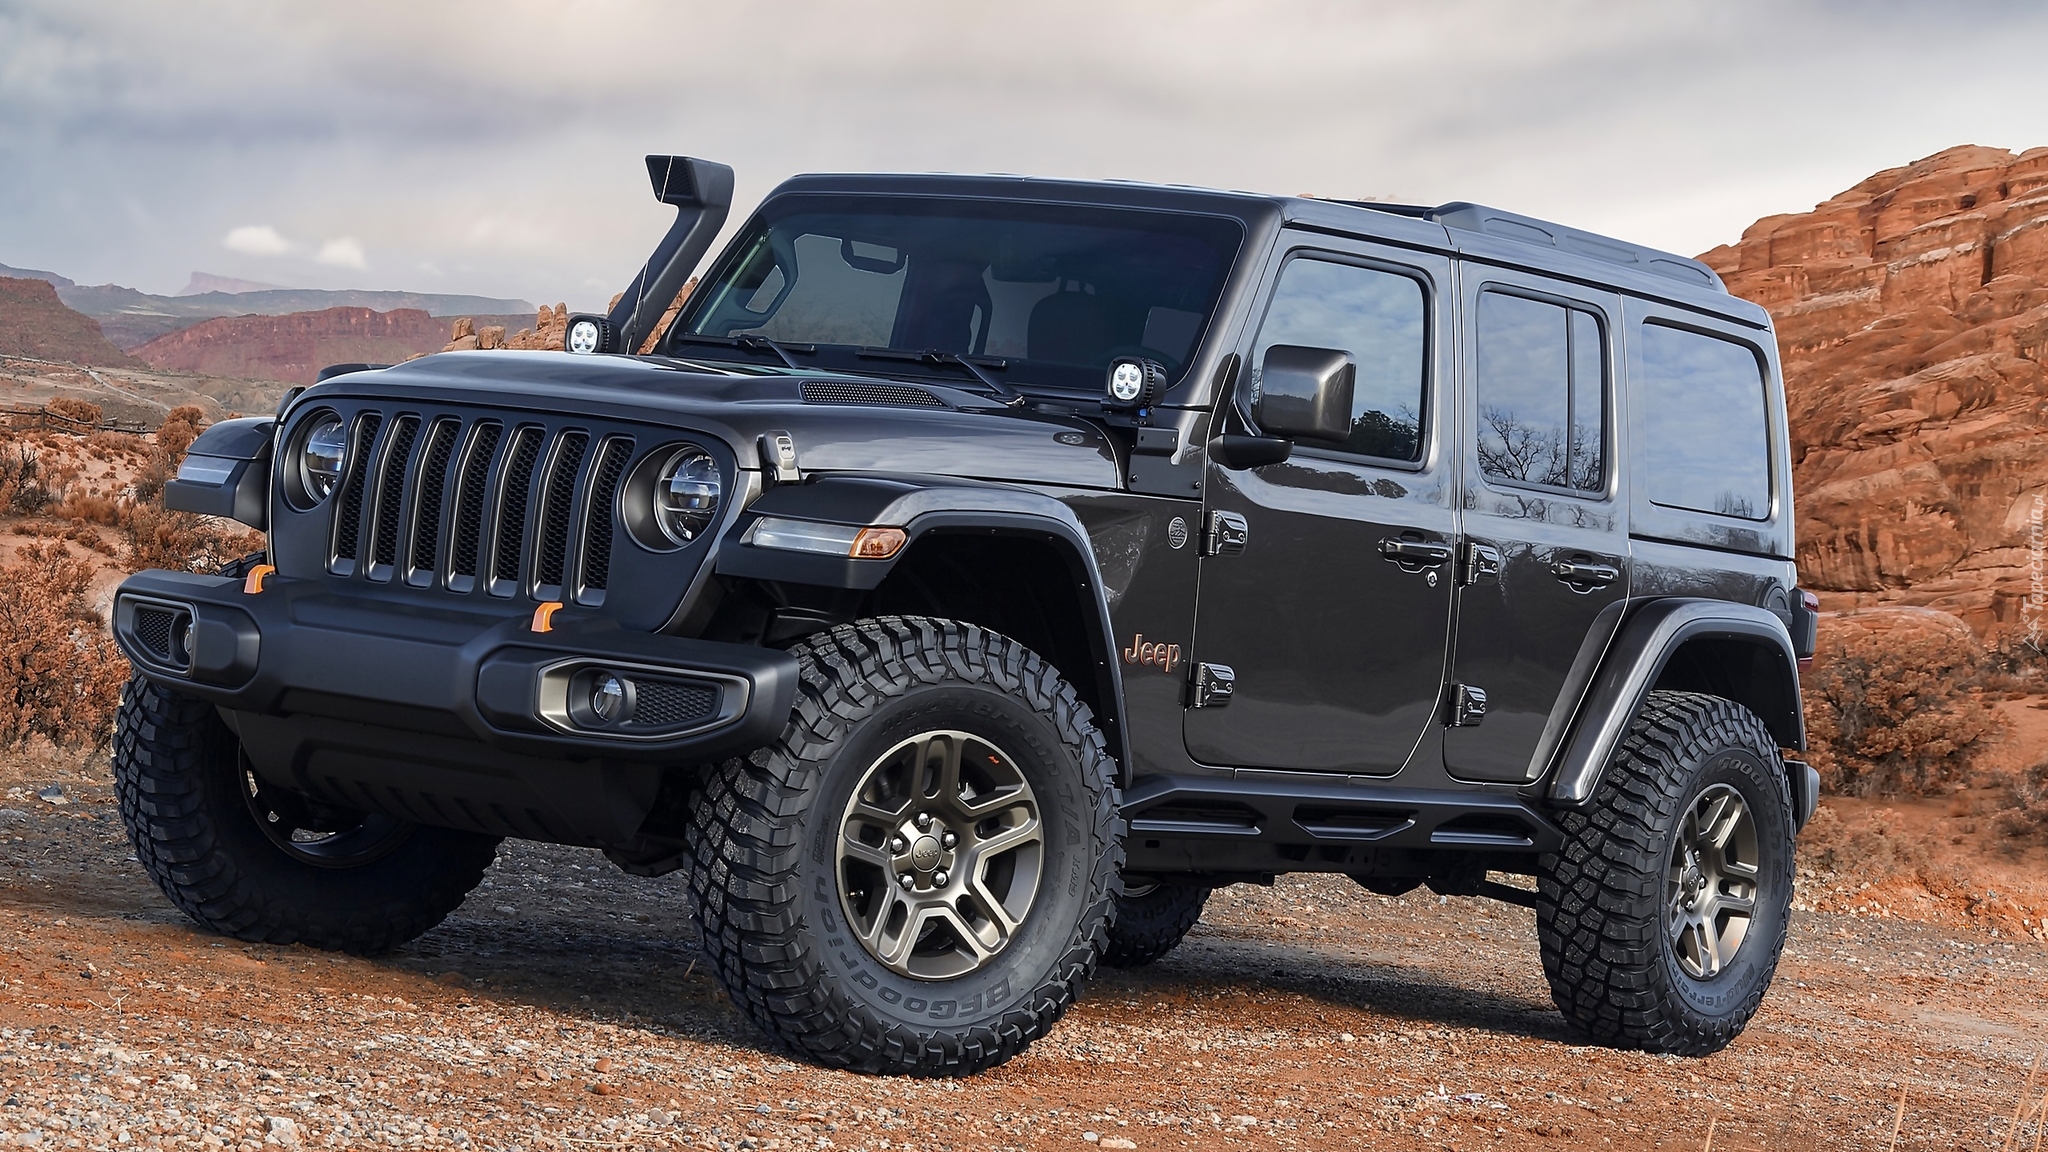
{"points": [[1378, 318], [1706, 442], [1542, 400]]}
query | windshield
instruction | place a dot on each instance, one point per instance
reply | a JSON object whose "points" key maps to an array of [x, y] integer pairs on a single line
{"points": [[1043, 295]]}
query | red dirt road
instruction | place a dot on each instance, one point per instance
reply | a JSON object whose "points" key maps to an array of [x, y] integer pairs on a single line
{"points": [[563, 1007]]}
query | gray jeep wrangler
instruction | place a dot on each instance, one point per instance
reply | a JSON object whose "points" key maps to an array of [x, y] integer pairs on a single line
{"points": [[979, 570]]}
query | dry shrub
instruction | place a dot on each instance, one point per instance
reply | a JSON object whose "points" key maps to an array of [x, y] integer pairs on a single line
{"points": [[161, 538], [1875, 847], [83, 413], [60, 674], [2028, 815], [1892, 703], [179, 429]]}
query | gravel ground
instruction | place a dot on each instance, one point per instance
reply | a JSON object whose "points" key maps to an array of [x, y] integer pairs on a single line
{"points": [[564, 1008]]}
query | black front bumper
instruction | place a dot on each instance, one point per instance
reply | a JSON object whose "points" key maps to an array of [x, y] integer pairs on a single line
{"points": [[450, 716]]}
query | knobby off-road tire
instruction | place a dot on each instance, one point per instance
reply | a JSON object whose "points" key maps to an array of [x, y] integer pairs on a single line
{"points": [[184, 792], [1613, 905], [785, 862], [1151, 920]]}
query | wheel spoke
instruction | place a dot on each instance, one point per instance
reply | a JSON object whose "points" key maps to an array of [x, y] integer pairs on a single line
{"points": [[866, 812], [886, 948], [1743, 904], [1739, 870], [1722, 821], [992, 908], [951, 917], [1707, 950], [947, 749], [1005, 840], [864, 852]]}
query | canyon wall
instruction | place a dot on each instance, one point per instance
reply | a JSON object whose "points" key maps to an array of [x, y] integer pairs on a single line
{"points": [[1912, 312], [294, 347]]}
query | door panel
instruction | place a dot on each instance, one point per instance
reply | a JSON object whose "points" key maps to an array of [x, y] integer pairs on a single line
{"points": [[1540, 491], [1335, 616]]}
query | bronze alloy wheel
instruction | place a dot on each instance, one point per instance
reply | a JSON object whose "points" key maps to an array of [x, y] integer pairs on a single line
{"points": [[940, 854], [1710, 891], [317, 835]]}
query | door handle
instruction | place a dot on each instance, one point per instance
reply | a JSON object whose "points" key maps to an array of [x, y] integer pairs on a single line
{"points": [[1593, 575], [1422, 552]]}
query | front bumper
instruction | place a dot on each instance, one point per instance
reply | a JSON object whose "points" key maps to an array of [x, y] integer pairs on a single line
{"points": [[297, 649]]}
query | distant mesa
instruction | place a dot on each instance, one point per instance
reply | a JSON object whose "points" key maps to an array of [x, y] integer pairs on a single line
{"points": [[35, 274], [35, 323], [203, 282], [293, 348], [1912, 315], [129, 319]]}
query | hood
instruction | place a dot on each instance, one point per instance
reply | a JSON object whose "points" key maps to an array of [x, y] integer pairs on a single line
{"points": [[840, 423]]}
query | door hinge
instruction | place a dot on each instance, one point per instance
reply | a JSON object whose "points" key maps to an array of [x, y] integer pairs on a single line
{"points": [[1213, 685], [1478, 564], [1225, 535], [1467, 706]]}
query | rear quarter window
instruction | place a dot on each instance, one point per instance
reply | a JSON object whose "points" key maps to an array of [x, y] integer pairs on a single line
{"points": [[1706, 443]]}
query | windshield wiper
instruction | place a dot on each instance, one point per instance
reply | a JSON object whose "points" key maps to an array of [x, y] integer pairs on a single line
{"points": [[752, 344], [997, 388]]}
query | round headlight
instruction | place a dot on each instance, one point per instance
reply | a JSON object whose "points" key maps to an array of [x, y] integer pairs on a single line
{"points": [[686, 495], [321, 450], [585, 336]]}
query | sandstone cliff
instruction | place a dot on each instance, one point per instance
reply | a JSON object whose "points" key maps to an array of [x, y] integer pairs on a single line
{"points": [[293, 348], [35, 323], [1912, 312]]}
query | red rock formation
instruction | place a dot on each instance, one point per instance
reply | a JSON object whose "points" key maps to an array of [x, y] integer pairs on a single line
{"points": [[294, 347], [33, 322], [1912, 314]]}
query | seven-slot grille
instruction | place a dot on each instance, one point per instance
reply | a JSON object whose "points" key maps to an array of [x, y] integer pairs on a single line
{"points": [[517, 507]]}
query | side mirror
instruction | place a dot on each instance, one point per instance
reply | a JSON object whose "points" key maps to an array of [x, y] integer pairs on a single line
{"points": [[1305, 393]]}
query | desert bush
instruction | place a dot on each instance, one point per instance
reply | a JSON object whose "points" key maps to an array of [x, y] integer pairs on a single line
{"points": [[1876, 847], [23, 486], [161, 538], [84, 414], [1893, 703], [179, 429], [2028, 814], [60, 674]]}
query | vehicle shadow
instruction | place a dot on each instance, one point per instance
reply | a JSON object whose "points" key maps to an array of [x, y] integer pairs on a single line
{"points": [[1399, 994]]}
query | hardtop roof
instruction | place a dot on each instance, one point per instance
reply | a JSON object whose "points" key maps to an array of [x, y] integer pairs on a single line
{"points": [[1472, 229]]}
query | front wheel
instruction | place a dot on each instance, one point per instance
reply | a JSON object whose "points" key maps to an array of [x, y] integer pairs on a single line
{"points": [[1662, 918], [918, 876], [259, 863]]}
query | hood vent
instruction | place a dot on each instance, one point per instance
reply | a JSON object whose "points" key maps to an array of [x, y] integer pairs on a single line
{"points": [[863, 392]]}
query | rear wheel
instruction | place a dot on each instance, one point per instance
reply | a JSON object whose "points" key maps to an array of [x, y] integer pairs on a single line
{"points": [[261, 863], [918, 876], [1662, 918], [1152, 918]]}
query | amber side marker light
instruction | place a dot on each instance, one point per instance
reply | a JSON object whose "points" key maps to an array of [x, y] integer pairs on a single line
{"points": [[877, 543]]}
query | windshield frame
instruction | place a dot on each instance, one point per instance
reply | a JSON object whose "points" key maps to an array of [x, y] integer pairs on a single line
{"points": [[1016, 372]]}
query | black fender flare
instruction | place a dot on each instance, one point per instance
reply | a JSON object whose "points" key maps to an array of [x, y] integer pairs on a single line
{"points": [[923, 506], [1649, 637]]}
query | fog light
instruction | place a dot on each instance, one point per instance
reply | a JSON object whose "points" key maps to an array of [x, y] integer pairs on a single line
{"points": [[587, 335], [607, 697], [1135, 383]]}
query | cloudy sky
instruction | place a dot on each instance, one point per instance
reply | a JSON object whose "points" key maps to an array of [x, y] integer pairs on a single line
{"points": [[494, 148]]}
